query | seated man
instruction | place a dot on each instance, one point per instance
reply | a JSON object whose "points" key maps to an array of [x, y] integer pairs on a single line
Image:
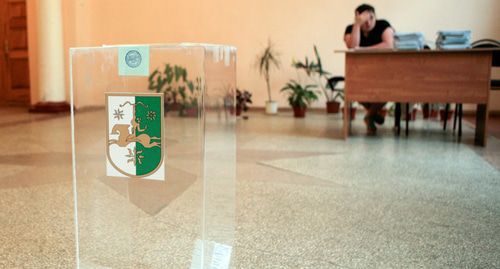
{"points": [[367, 32]]}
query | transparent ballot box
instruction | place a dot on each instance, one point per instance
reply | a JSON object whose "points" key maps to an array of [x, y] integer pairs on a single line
{"points": [[154, 155]]}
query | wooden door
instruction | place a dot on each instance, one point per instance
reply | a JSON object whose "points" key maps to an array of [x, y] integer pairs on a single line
{"points": [[14, 65]]}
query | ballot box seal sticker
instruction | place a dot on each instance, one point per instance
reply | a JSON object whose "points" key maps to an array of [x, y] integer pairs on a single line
{"points": [[133, 58]]}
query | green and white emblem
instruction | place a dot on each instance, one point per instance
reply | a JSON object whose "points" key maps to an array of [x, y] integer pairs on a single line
{"points": [[135, 135]]}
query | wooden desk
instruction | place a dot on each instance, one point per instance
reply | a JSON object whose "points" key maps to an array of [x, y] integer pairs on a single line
{"points": [[430, 76]]}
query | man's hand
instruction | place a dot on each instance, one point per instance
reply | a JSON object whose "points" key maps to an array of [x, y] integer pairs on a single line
{"points": [[361, 18]]}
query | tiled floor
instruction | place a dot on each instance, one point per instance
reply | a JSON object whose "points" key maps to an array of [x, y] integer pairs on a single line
{"points": [[304, 198]]}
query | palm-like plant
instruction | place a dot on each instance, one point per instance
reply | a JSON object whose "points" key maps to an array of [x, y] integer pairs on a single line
{"points": [[299, 96], [265, 62], [314, 69]]}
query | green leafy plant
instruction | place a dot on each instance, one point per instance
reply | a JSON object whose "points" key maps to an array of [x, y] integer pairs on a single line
{"points": [[266, 60], [336, 94], [299, 95], [180, 92], [314, 69], [243, 98], [189, 96]]}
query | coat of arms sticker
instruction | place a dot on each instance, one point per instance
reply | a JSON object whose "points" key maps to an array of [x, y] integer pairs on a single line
{"points": [[135, 144]]}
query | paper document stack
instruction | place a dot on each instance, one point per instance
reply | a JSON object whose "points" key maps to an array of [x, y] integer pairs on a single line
{"points": [[453, 40], [409, 41]]}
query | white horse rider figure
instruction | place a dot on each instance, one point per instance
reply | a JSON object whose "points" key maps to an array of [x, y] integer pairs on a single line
{"points": [[125, 137]]}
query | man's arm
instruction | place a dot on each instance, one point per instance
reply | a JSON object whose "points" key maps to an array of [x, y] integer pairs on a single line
{"points": [[352, 39], [387, 40]]}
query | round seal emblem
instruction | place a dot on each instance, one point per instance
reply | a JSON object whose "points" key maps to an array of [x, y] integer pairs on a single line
{"points": [[133, 58]]}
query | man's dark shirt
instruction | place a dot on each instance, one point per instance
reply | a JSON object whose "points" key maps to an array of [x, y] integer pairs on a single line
{"points": [[374, 36]]}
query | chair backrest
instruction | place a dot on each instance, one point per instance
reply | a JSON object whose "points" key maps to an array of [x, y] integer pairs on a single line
{"points": [[332, 82], [489, 43]]}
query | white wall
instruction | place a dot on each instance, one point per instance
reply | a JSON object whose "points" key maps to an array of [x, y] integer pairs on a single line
{"points": [[294, 25]]}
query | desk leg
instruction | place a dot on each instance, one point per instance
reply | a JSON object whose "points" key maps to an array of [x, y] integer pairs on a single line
{"points": [[347, 118], [397, 118], [349, 108], [446, 111], [407, 118], [460, 114], [481, 125]]}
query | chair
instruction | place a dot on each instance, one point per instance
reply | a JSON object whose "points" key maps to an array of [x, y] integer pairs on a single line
{"points": [[333, 81], [495, 83], [490, 43]]}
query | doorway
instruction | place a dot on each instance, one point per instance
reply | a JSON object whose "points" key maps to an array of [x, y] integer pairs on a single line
{"points": [[14, 64]]}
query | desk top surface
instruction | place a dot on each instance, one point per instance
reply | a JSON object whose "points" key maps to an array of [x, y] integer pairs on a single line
{"points": [[396, 51]]}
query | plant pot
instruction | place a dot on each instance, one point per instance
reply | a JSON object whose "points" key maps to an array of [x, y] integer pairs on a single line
{"points": [[429, 111], [299, 112], [383, 112], [413, 115], [174, 106], [189, 112], [238, 110], [353, 112], [434, 114], [332, 107], [171, 107], [442, 115], [271, 107]]}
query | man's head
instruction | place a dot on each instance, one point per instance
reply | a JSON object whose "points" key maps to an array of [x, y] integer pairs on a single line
{"points": [[368, 12]]}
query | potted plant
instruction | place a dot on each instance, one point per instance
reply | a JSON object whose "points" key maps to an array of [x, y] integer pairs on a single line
{"points": [[430, 110], [353, 110], [180, 92], [315, 70], [168, 82], [412, 113], [243, 98], [266, 60], [332, 105], [442, 112], [299, 97]]}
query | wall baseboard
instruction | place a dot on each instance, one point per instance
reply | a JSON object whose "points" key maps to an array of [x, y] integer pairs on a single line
{"points": [[493, 113], [50, 107]]}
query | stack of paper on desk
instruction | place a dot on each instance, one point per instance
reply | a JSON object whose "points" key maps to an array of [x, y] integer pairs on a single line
{"points": [[409, 41], [453, 39]]}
